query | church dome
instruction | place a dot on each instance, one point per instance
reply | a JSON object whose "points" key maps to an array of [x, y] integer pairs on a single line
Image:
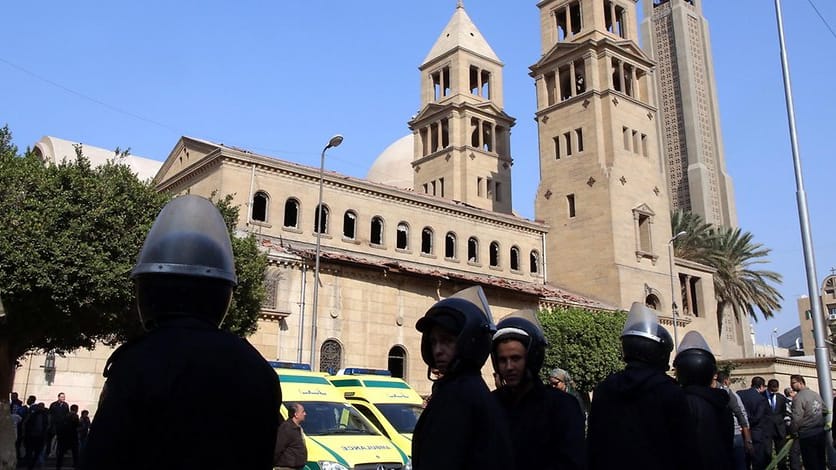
{"points": [[394, 166]]}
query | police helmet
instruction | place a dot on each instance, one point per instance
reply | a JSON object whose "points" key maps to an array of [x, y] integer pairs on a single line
{"points": [[694, 362], [643, 339], [524, 327], [186, 266], [467, 315]]}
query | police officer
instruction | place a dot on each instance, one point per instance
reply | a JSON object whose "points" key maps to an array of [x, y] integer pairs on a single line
{"points": [[546, 425], [462, 427], [709, 414], [169, 395], [637, 416]]}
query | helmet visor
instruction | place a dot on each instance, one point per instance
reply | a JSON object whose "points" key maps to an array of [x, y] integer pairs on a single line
{"points": [[528, 315], [189, 238], [693, 340], [641, 321], [476, 296]]}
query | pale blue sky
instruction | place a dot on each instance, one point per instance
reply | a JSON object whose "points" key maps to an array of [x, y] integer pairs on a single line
{"points": [[280, 78]]}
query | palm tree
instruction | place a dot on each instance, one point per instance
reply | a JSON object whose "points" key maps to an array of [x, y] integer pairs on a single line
{"points": [[696, 244], [738, 285]]}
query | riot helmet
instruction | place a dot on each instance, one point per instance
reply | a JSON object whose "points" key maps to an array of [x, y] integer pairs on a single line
{"points": [[467, 316], [644, 340], [694, 362], [523, 326], [186, 266]]}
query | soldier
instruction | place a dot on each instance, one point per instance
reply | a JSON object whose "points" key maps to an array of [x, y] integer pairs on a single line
{"points": [[546, 425], [164, 404], [709, 413], [462, 427], [637, 417]]}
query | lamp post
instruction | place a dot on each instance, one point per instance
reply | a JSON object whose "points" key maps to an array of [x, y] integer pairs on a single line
{"points": [[821, 351], [334, 142], [673, 286], [773, 339]]}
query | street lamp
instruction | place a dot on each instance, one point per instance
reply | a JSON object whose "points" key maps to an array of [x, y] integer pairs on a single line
{"points": [[773, 339], [334, 142], [673, 287]]}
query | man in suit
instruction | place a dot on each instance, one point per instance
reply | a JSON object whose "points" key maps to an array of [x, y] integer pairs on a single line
{"points": [[757, 408], [777, 411]]}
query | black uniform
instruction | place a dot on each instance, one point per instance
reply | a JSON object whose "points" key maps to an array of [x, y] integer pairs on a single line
{"points": [[638, 420], [710, 416], [776, 425], [166, 402], [461, 428], [756, 410], [547, 428]]}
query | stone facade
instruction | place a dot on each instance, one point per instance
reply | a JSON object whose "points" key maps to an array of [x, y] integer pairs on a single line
{"points": [[780, 368], [675, 34], [827, 295]]}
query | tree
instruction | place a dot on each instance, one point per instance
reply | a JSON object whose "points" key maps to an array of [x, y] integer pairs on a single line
{"points": [[69, 237], [696, 244], [585, 343], [738, 285]]}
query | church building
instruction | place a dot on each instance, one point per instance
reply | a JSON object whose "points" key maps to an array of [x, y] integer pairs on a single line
{"points": [[435, 215]]}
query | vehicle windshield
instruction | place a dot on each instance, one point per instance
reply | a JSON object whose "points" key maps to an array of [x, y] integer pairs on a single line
{"points": [[328, 418], [402, 417]]}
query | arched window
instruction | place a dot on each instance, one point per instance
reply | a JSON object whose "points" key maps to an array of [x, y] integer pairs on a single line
{"points": [[427, 241], [259, 213], [291, 213], [376, 234], [494, 254], [450, 245], [322, 220], [534, 262], [349, 224], [403, 236], [397, 362], [652, 301], [473, 250], [330, 356], [271, 289], [515, 258]]}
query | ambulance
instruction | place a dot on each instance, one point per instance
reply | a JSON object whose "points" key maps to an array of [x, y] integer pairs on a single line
{"points": [[337, 436], [388, 402]]}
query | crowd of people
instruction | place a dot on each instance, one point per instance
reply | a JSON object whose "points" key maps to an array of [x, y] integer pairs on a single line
{"points": [[184, 366], [41, 432], [639, 417]]}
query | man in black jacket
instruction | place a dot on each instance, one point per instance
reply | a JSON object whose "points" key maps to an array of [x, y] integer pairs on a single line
{"points": [[637, 418], [756, 409], [160, 406], [546, 425], [776, 414], [709, 413], [462, 427], [291, 453]]}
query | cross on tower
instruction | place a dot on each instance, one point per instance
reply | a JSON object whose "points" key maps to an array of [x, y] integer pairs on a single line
{"points": [[832, 271]]}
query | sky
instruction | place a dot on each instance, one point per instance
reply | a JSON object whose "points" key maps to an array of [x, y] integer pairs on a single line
{"points": [[281, 77]]}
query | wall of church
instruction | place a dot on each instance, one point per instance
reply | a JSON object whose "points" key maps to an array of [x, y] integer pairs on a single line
{"points": [[367, 312], [393, 207]]}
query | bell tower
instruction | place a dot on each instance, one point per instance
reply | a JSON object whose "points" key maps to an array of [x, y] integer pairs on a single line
{"points": [[602, 185], [462, 135]]}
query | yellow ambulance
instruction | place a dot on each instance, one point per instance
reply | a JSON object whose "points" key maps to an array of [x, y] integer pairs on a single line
{"points": [[337, 436], [388, 402]]}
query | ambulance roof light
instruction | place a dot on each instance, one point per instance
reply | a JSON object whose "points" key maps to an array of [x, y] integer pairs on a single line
{"points": [[365, 371], [289, 365]]}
